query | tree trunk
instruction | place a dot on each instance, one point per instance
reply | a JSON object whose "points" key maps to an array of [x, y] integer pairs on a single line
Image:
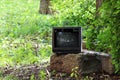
{"points": [[98, 5], [44, 7]]}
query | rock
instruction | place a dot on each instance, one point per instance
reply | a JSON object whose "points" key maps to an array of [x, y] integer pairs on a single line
{"points": [[87, 62], [83, 45], [106, 61], [64, 63], [90, 64], [107, 64]]}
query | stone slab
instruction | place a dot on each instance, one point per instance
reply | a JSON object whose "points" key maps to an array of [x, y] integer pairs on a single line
{"points": [[87, 62]]}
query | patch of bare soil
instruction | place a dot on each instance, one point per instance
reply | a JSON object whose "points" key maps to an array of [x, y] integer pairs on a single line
{"points": [[42, 72]]}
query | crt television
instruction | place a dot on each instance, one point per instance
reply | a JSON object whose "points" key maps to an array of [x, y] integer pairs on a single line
{"points": [[66, 40]]}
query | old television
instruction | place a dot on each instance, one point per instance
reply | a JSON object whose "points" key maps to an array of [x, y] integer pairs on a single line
{"points": [[66, 40]]}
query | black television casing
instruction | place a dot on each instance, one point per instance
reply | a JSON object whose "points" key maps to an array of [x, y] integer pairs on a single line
{"points": [[66, 40]]}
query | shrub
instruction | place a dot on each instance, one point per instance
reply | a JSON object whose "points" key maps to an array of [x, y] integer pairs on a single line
{"points": [[104, 36]]}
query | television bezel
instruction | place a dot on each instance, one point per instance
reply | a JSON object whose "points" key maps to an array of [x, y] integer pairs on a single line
{"points": [[70, 49]]}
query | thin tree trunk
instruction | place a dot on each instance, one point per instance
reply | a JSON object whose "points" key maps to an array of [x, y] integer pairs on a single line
{"points": [[98, 5], [44, 7]]}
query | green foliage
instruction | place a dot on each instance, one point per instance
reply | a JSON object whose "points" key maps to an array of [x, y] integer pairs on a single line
{"points": [[111, 18], [75, 73], [42, 75], [74, 12], [21, 51], [91, 38], [87, 78], [25, 35], [21, 18], [32, 77], [21, 28], [104, 36], [9, 77]]}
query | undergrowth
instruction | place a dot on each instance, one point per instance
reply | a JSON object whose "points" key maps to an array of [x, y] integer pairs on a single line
{"points": [[25, 35]]}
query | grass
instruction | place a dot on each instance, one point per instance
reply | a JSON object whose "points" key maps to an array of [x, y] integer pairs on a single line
{"points": [[21, 28], [25, 34], [21, 17]]}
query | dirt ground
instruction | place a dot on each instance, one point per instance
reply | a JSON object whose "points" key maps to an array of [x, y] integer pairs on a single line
{"points": [[39, 71]]}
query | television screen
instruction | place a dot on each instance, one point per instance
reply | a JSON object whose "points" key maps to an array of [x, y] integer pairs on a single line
{"points": [[66, 39]]}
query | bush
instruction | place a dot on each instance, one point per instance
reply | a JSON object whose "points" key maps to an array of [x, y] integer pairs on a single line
{"points": [[104, 36], [74, 12]]}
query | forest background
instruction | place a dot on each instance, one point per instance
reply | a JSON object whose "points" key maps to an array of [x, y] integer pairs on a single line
{"points": [[25, 34]]}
